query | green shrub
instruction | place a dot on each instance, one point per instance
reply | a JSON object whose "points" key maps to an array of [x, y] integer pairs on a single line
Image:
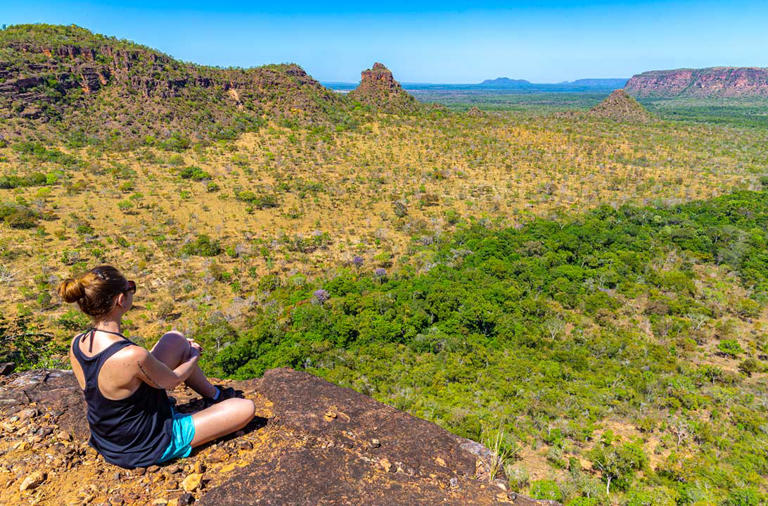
{"points": [[730, 347], [655, 497], [750, 366], [258, 200], [744, 497], [176, 142], [269, 283], [202, 246], [194, 173], [618, 463], [18, 216], [546, 490], [584, 501]]}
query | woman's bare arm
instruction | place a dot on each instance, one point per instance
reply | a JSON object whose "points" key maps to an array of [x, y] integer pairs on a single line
{"points": [[158, 375]]}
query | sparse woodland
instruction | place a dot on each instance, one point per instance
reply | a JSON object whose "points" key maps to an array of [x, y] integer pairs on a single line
{"points": [[589, 294]]}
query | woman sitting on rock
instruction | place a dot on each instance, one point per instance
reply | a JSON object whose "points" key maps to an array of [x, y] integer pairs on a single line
{"points": [[131, 419]]}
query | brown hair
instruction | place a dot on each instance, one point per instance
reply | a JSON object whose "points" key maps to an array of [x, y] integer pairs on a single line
{"points": [[94, 291]]}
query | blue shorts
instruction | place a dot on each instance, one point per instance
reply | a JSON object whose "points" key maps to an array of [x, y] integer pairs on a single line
{"points": [[182, 433]]}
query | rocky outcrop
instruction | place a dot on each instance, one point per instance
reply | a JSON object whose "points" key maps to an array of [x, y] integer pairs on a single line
{"points": [[68, 75], [619, 106], [708, 82], [311, 443], [379, 90]]}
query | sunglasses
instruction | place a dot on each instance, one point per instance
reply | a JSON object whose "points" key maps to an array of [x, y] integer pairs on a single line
{"points": [[131, 287]]}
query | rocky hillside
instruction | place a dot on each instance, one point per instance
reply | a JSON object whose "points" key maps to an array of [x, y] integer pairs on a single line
{"points": [[621, 107], [709, 82], [379, 90], [93, 86], [312, 442]]}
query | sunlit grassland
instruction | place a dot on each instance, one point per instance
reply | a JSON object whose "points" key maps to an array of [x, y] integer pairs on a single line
{"points": [[298, 202]]}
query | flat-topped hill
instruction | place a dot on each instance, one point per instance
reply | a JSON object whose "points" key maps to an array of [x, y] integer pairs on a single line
{"points": [[311, 442], [707, 82], [96, 86]]}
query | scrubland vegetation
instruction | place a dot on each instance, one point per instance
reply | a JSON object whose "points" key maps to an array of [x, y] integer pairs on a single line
{"points": [[586, 296], [441, 264]]}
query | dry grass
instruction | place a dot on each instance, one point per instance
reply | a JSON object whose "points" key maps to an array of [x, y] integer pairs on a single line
{"points": [[502, 168]]}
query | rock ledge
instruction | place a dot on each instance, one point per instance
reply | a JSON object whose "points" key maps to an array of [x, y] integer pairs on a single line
{"points": [[311, 443]]}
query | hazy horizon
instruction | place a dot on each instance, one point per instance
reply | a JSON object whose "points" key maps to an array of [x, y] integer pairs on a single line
{"points": [[434, 42]]}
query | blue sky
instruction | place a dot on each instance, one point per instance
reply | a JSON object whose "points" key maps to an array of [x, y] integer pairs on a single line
{"points": [[440, 42]]}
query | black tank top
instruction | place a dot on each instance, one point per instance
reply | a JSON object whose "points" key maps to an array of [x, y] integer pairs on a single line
{"points": [[130, 432]]}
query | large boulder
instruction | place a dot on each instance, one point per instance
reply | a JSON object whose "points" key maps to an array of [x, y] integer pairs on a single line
{"points": [[312, 443]]}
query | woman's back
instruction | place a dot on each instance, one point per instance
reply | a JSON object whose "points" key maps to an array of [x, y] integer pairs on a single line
{"points": [[133, 431], [132, 423]]}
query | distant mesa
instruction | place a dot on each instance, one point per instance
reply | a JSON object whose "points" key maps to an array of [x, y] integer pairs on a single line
{"points": [[379, 90], [505, 82], [620, 106], [579, 85], [707, 82]]}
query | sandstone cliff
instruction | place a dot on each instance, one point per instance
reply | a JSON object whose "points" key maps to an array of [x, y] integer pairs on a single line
{"points": [[311, 443], [379, 90], [709, 82]]}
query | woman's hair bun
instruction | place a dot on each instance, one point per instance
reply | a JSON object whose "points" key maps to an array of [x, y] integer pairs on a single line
{"points": [[71, 290], [94, 291]]}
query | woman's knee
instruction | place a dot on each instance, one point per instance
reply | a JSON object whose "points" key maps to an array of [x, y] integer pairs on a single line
{"points": [[171, 349], [244, 408], [174, 339]]}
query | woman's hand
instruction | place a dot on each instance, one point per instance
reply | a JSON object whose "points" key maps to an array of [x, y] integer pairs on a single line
{"points": [[194, 354], [194, 344], [193, 351]]}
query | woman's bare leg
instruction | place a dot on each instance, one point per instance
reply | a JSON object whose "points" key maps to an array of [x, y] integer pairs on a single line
{"points": [[218, 420], [172, 349], [221, 419]]}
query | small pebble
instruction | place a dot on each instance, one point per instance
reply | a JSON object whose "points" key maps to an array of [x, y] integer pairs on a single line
{"points": [[32, 480], [192, 482], [43, 431], [27, 413], [186, 499]]}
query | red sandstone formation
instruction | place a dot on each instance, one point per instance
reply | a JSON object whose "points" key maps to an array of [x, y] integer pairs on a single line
{"points": [[709, 82], [379, 89]]}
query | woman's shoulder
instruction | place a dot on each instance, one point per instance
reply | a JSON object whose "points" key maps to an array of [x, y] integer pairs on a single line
{"points": [[131, 351]]}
